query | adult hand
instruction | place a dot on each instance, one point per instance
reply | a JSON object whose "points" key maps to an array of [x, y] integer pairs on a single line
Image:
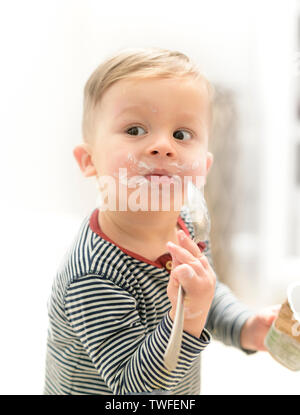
{"points": [[256, 328]]}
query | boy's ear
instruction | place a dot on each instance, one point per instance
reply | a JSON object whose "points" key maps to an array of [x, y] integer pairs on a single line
{"points": [[209, 161], [83, 156]]}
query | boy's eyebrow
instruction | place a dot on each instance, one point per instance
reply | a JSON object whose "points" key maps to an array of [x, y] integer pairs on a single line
{"points": [[187, 115], [130, 108]]}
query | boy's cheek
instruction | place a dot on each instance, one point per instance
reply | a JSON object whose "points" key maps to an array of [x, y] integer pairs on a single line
{"points": [[197, 174], [110, 163]]}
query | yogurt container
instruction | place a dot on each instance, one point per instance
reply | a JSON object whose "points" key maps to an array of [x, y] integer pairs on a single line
{"points": [[283, 338]]}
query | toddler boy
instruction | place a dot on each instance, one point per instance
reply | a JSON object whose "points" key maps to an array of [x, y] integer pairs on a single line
{"points": [[146, 124]]}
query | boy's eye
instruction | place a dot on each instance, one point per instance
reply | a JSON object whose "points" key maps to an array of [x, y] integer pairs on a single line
{"points": [[179, 134], [134, 130], [182, 135]]}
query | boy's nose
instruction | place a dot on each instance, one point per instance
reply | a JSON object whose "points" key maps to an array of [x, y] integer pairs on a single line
{"points": [[162, 147]]}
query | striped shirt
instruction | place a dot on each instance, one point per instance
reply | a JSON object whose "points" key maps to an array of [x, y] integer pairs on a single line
{"points": [[109, 324]]}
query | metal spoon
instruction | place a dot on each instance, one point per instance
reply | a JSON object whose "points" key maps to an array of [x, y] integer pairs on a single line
{"points": [[201, 223]]}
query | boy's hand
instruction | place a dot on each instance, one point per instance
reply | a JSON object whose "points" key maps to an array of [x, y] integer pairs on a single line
{"points": [[256, 328], [192, 270]]}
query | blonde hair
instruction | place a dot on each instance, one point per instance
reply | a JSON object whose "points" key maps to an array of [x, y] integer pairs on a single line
{"points": [[135, 63]]}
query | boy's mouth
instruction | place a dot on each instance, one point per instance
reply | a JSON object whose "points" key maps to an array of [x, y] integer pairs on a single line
{"points": [[160, 176]]}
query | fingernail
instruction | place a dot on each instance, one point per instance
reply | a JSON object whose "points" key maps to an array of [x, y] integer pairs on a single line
{"points": [[171, 245]]}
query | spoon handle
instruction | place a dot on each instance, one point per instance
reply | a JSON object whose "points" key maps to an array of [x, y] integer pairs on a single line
{"points": [[174, 344]]}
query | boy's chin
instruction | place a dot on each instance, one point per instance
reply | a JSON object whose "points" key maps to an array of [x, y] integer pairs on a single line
{"points": [[144, 198], [156, 204]]}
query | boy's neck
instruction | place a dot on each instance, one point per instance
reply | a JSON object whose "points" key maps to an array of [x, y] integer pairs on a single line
{"points": [[139, 227]]}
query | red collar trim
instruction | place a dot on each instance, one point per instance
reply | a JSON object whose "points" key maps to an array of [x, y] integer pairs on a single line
{"points": [[159, 262]]}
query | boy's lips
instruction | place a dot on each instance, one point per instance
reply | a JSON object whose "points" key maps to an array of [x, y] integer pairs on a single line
{"points": [[160, 172], [160, 176]]}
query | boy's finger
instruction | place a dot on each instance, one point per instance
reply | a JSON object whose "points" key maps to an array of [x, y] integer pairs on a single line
{"points": [[175, 261], [185, 275], [189, 244], [183, 255]]}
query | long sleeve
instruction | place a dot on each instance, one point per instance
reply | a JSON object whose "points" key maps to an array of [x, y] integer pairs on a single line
{"points": [[127, 356], [227, 315]]}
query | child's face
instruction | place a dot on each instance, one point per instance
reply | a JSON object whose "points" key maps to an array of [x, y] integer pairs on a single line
{"points": [[148, 124]]}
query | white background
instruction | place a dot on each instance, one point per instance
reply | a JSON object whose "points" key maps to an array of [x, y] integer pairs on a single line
{"points": [[48, 50]]}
